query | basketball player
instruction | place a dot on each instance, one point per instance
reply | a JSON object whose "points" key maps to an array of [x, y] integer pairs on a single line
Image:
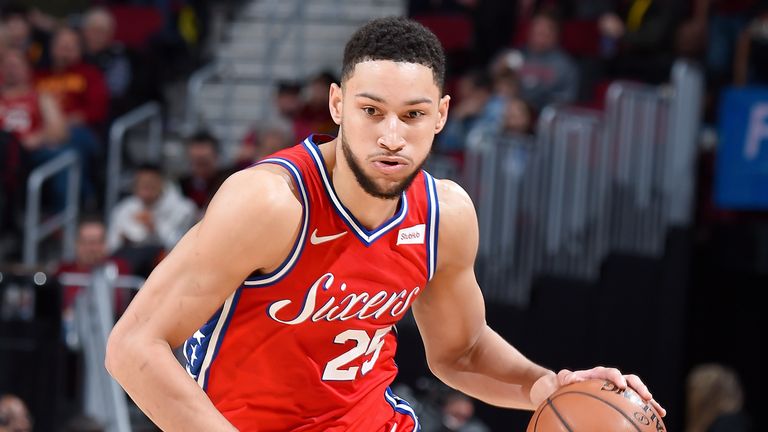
{"points": [[293, 281]]}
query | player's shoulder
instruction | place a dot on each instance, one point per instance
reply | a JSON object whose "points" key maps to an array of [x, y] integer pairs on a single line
{"points": [[455, 205], [457, 229], [259, 192]]}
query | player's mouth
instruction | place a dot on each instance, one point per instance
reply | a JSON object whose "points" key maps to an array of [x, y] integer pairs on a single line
{"points": [[390, 164]]}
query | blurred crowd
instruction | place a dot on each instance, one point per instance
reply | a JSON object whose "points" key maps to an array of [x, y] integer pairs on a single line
{"points": [[516, 57], [64, 80]]}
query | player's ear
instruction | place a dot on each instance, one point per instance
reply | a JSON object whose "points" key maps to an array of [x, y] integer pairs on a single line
{"points": [[442, 112], [335, 99]]}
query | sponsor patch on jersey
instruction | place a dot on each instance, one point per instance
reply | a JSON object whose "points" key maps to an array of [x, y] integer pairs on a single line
{"points": [[412, 235]]}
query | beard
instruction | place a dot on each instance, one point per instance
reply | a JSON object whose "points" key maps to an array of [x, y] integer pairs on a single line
{"points": [[367, 183]]}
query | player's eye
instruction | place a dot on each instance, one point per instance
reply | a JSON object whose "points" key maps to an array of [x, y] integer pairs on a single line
{"points": [[371, 111], [414, 114]]}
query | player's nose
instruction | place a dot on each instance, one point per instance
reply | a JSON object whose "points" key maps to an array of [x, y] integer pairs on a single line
{"points": [[391, 136]]}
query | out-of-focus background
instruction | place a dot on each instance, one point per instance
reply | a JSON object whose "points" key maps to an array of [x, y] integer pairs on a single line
{"points": [[616, 151]]}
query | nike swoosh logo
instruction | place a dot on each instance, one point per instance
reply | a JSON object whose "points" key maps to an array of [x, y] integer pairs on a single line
{"points": [[315, 239]]}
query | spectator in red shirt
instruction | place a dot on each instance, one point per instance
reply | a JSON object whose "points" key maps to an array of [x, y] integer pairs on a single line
{"points": [[35, 117], [79, 87], [90, 253]]}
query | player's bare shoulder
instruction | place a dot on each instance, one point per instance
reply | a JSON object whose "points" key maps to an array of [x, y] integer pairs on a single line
{"points": [[259, 188], [255, 203], [458, 232]]}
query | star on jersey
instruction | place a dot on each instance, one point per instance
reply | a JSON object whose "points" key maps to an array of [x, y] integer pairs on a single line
{"points": [[191, 350]]}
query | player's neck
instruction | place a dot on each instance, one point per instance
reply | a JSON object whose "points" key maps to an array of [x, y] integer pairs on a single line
{"points": [[371, 212]]}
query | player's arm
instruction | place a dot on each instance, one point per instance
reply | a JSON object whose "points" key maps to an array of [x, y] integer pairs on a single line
{"points": [[250, 224], [461, 349]]}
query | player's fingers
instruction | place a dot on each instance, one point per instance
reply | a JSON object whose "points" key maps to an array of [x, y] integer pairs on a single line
{"points": [[611, 374], [565, 377], [637, 385], [658, 408]]}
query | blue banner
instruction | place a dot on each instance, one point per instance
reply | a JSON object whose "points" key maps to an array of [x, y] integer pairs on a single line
{"points": [[741, 180]]}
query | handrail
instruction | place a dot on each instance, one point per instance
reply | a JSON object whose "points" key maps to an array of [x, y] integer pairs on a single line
{"points": [[34, 231], [85, 279], [151, 112], [208, 72], [194, 87]]}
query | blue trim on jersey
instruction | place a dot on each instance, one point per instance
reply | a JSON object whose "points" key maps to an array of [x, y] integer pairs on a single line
{"points": [[436, 229], [402, 406], [365, 235], [298, 246], [195, 364], [222, 333], [433, 210]]}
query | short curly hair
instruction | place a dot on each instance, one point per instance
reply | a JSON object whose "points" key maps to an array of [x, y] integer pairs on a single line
{"points": [[398, 39]]}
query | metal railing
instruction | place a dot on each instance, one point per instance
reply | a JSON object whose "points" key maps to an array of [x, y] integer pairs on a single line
{"points": [[36, 230], [149, 112], [587, 184], [225, 71], [104, 399]]}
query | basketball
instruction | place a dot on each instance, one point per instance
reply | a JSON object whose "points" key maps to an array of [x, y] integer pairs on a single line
{"points": [[595, 406]]}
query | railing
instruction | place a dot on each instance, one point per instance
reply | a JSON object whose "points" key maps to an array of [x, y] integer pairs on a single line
{"points": [[149, 112], [104, 399], [592, 183], [194, 87], [225, 70], [35, 230]]}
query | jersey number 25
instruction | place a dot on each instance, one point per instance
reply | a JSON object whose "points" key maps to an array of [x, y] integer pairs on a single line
{"points": [[364, 346]]}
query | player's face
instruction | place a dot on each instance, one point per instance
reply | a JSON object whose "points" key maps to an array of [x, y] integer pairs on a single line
{"points": [[389, 113]]}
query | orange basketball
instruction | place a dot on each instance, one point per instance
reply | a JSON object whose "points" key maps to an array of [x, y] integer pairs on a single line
{"points": [[595, 406]]}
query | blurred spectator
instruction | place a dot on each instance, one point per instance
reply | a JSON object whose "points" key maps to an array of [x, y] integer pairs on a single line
{"points": [[458, 415], [205, 176], [262, 141], [314, 116], [638, 38], [518, 117], [547, 75], [750, 65], [288, 99], [22, 34], [79, 87], [36, 118], [14, 416], [90, 253], [102, 50], [714, 401], [474, 108], [724, 19], [150, 221]]}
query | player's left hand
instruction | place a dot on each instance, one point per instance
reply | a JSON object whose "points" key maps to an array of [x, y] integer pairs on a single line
{"points": [[565, 377]]}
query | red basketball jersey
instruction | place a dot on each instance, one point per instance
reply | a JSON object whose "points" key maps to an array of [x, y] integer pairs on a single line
{"points": [[310, 346]]}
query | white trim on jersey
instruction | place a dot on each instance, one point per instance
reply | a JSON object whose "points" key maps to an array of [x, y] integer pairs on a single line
{"points": [[361, 232], [402, 406], [288, 264], [210, 353], [434, 211]]}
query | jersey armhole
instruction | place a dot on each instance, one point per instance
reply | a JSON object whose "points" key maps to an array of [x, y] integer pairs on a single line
{"points": [[433, 222], [273, 277]]}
